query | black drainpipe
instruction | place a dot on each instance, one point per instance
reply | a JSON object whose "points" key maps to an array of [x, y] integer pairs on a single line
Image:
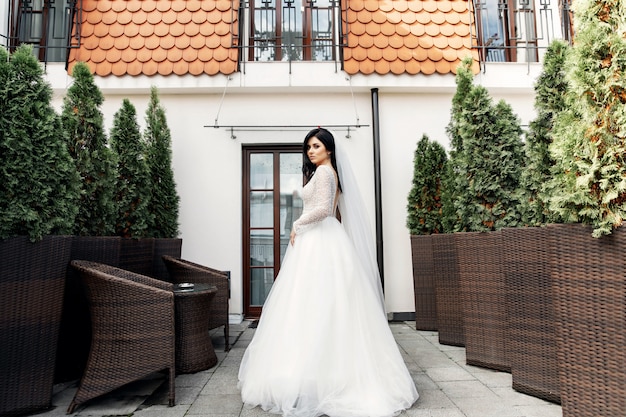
{"points": [[377, 186]]}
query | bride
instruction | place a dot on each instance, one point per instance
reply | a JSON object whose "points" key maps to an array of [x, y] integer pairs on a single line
{"points": [[323, 345]]}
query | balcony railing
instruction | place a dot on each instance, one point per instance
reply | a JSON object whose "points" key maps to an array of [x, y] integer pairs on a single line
{"points": [[518, 30], [47, 25]]}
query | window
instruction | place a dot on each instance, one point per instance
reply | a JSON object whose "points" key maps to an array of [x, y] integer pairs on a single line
{"points": [[518, 30], [293, 30], [44, 24], [498, 32]]}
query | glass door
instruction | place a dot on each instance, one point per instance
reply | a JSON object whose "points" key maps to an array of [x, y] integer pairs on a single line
{"points": [[271, 198]]}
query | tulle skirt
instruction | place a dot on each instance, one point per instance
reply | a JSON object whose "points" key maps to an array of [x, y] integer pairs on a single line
{"points": [[323, 345]]}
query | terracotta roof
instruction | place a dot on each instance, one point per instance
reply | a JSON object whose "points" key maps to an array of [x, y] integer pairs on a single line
{"points": [[132, 37], [148, 37], [407, 36]]}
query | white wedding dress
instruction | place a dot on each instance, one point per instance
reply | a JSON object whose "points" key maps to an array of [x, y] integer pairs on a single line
{"points": [[323, 345]]}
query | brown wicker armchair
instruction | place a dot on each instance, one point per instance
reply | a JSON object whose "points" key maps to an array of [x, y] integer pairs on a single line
{"points": [[132, 330], [181, 271]]}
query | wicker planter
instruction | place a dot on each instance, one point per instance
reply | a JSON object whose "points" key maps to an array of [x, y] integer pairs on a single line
{"points": [[136, 255], [483, 297], [589, 286], [530, 309], [423, 283], [32, 278], [164, 246], [75, 331], [447, 291]]}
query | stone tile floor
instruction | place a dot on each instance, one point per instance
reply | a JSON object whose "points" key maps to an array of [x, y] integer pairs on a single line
{"points": [[447, 386]]}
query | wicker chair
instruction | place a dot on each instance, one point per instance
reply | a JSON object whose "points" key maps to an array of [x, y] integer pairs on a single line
{"points": [[132, 330], [181, 271]]}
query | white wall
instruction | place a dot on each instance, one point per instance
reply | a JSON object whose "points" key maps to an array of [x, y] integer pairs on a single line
{"points": [[207, 162]]}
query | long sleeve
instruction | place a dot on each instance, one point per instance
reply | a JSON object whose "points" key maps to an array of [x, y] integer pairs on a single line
{"points": [[318, 196]]}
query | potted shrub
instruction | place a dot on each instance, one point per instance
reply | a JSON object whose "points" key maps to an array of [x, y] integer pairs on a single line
{"points": [[489, 169], [163, 204], [132, 194], [424, 216], [589, 190], [530, 305], [446, 271], [38, 204], [83, 124]]}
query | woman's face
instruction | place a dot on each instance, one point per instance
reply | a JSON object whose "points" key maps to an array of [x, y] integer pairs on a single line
{"points": [[316, 151]]}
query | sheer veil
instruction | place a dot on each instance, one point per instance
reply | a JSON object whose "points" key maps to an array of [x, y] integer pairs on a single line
{"points": [[355, 220]]}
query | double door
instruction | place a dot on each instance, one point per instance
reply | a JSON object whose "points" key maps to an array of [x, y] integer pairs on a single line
{"points": [[272, 181]]}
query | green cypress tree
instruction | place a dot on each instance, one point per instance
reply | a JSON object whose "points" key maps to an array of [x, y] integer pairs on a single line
{"points": [[164, 200], [589, 142], [550, 91], [132, 188], [84, 126], [489, 165], [453, 181], [4, 67], [38, 181], [424, 202]]}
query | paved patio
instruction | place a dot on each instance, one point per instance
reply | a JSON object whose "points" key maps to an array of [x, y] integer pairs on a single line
{"points": [[447, 386]]}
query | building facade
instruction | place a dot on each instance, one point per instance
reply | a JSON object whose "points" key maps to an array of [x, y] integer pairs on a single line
{"points": [[242, 83]]}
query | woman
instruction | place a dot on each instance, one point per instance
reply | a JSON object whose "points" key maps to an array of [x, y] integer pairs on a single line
{"points": [[323, 345]]}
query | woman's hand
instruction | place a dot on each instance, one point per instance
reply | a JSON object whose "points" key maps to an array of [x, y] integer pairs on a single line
{"points": [[292, 237]]}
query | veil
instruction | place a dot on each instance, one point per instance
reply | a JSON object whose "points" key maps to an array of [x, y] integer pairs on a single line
{"points": [[355, 220]]}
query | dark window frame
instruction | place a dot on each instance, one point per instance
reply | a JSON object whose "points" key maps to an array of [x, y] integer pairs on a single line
{"points": [[268, 41], [254, 311], [47, 25]]}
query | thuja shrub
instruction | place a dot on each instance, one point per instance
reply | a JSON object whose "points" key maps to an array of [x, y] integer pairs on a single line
{"points": [[38, 180], [453, 182], [94, 160], [589, 141], [488, 166], [163, 206], [132, 185], [425, 208], [550, 91]]}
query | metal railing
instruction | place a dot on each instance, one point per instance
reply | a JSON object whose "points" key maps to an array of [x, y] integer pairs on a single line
{"points": [[289, 31], [518, 30], [52, 27]]}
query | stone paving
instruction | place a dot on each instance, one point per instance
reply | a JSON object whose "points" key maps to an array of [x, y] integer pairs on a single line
{"points": [[447, 386]]}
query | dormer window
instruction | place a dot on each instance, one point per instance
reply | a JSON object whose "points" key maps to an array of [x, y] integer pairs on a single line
{"points": [[293, 30], [518, 30], [44, 24]]}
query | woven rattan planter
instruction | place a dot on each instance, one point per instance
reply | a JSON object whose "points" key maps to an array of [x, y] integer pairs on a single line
{"points": [[136, 255], [447, 290], [589, 286], [530, 309], [483, 297], [32, 278], [423, 282], [164, 246]]}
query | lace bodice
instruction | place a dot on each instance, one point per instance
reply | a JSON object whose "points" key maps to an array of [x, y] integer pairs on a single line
{"points": [[318, 196]]}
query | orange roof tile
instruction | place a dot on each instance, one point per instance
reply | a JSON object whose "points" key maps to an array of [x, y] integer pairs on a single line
{"points": [[409, 36], [133, 37]]}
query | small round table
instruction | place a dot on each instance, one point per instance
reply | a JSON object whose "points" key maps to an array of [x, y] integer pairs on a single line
{"points": [[194, 349]]}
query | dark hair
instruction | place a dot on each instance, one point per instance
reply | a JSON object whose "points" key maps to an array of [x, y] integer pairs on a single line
{"points": [[327, 138]]}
